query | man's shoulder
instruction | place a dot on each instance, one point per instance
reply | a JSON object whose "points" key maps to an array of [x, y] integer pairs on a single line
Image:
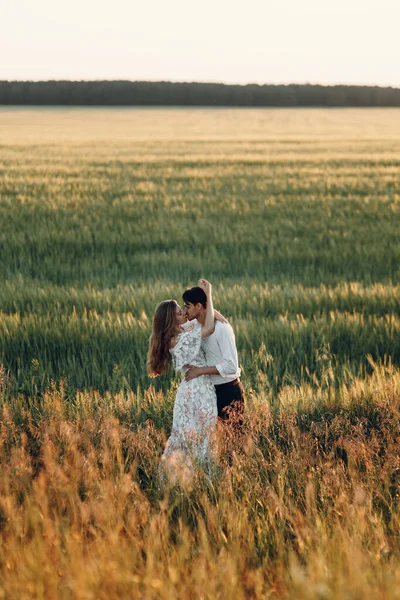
{"points": [[222, 328]]}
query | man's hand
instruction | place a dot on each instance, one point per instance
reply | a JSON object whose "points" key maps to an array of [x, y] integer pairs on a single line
{"points": [[192, 372]]}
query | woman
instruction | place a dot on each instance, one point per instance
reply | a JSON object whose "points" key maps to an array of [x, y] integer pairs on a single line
{"points": [[195, 408]]}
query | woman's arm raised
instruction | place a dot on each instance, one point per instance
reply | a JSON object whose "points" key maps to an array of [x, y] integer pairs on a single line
{"points": [[208, 327]]}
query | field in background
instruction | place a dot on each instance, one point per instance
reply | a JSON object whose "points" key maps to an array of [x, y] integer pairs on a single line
{"points": [[294, 217], [292, 214]]}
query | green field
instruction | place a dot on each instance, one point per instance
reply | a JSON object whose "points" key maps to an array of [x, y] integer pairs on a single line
{"points": [[293, 215]]}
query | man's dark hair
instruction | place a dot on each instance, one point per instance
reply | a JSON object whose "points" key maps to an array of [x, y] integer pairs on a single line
{"points": [[195, 295]]}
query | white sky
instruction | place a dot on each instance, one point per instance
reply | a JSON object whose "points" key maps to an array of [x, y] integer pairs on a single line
{"points": [[261, 41]]}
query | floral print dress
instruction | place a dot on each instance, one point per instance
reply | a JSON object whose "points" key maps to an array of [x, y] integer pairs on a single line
{"points": [[195, 410]]}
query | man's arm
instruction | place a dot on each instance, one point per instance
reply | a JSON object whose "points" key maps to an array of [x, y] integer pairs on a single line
{"points": [[228, 366], [194, 372]]}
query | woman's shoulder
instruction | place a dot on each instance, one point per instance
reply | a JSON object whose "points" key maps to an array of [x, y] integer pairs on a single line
{"points": [[187, 341], [173, 342], [190, 325]]}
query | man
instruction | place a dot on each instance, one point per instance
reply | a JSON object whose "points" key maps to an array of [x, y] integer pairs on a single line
{"points": [[221, 358]]}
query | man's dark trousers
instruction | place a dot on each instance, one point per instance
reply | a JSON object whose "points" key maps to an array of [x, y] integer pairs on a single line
{"points": [[230, 402]]}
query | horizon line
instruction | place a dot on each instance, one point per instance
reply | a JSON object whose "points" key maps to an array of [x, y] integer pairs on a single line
{"points": [[204, 82]]}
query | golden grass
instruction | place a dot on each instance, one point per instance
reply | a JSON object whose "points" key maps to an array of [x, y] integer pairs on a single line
{"points": [[305, 506]]}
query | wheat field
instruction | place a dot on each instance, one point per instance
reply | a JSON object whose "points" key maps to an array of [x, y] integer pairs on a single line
{"points": [[293, 215]]}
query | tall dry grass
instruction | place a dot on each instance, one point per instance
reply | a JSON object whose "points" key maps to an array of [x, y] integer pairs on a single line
{"points": [[305, 505]]}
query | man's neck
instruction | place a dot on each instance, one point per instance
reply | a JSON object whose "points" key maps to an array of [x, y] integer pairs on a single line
{"points": [[201, 317]]}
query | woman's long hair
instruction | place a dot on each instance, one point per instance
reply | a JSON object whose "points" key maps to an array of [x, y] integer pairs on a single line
{"points": [[164, 329]]}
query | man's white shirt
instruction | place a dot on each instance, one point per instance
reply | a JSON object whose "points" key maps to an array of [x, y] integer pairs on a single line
{"points": [[220, 350]]}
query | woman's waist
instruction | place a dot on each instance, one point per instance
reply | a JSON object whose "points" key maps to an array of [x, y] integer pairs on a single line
{"points": [[200, 379], [193, 364]]}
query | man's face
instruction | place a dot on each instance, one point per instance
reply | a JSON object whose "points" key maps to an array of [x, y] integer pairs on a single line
{"points": [[192, 310]]}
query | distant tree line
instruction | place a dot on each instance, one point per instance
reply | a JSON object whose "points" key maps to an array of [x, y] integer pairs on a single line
{"points": [[164, 93]]}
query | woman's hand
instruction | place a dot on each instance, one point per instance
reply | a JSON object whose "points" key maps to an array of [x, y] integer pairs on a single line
{"points": [[219, 317], [205, 285]]}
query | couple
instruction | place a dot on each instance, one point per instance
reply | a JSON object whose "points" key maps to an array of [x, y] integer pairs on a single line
{"points": [[203, 350]]}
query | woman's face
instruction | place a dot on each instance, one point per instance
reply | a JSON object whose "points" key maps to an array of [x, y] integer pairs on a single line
{"points": [[180, 315]]}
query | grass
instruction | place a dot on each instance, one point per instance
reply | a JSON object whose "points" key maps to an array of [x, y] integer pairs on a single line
{"points": [[294, 216], [307, 507]]}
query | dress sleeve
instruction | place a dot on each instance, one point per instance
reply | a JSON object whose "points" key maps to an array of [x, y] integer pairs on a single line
{"points": [[189, 325], [187, 347]]}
